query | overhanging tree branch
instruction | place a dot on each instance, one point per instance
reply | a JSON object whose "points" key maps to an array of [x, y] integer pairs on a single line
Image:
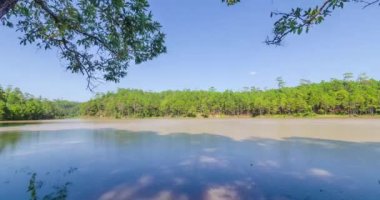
{"points": [[98, 39], [300, 20], [5, 6]]}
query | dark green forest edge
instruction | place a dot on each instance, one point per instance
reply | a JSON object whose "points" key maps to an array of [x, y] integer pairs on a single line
{"points": [[16, 105], [335, 97], [347, 97]]}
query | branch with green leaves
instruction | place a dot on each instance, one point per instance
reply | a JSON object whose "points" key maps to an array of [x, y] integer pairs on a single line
{"points": [[97, 38], [300, 20]]}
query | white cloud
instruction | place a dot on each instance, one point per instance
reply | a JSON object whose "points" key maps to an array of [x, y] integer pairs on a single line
{"points": [[268, 164], [145, 180], [222, 193], [208, 160], [320, 173], [253, 73]]}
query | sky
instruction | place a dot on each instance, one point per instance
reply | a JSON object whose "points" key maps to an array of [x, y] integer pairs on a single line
{"points": [[213, 45]]}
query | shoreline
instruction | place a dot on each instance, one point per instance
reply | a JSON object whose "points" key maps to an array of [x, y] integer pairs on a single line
{"points": [[328, 116], [280, 117]]}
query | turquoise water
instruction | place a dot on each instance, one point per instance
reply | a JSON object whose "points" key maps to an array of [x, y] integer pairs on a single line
{"points": [[111, 164]]}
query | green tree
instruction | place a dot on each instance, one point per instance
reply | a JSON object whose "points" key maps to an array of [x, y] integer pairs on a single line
{"points": [[98, 39], [332, 97], [363, 77], [16, 105], [280, 82], [2, 110], [348, 76], [305, 82]]}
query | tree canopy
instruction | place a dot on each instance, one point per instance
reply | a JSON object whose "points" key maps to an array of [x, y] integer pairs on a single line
{"points": [[349, 96], [100, 38], [338, 97], [16, 105]]}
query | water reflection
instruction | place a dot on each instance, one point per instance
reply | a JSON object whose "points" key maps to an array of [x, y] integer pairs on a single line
{"points": [[20, 123], [144, 165], [9, 140], [56, 192]]}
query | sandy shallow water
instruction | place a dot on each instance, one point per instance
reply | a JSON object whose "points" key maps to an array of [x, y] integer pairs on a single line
{"points": [[353, 130]]}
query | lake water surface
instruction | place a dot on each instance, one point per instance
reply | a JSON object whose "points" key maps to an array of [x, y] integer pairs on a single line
{"points": [[106, 163]]}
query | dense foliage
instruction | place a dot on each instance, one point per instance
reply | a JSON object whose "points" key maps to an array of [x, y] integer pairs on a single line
{"points": [[339, 97], [346, 97], [98, 39], [16, 105]]}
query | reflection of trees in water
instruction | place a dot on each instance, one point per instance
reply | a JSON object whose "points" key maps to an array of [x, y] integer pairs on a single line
{"points": [[9, 140], [60, 191]]}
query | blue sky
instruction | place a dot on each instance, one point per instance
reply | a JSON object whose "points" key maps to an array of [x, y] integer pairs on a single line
{"points": [[210, 44]]}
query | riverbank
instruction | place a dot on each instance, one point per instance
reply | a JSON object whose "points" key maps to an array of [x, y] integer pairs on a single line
{"points": [[87, 118], [329, 116], [354, 130]]}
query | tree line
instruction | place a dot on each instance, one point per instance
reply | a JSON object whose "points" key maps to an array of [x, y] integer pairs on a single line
{"points": [[337, 97], [340, 97], [16, 105]]}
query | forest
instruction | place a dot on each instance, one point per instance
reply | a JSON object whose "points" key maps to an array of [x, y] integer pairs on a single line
{"points": [[16, 105], [335, 97]]}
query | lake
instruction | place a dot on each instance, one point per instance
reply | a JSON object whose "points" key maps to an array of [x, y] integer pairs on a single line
{"points": [[180, 159]]}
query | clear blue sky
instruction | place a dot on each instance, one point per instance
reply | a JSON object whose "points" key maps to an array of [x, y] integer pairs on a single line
{"points": [[210, 44]]}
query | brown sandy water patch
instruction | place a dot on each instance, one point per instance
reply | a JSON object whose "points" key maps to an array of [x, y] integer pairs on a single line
{"points": [[354, 130]]}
